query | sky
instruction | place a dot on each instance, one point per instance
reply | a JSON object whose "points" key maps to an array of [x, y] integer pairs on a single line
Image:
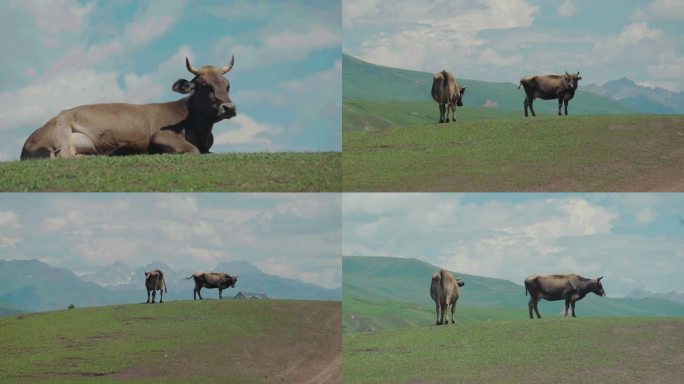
{"points": [[504, 40], [286, 81], [634, 240], [294, 236]]}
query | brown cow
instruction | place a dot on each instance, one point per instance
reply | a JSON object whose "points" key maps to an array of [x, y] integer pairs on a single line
{"points": [[218, 280], [182, 126], [153, 282], [447, 93], [560, 287], [444, 292], [549, 87]]}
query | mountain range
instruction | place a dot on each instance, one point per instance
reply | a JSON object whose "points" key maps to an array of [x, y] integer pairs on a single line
{"points": [[31, 285], [371, 82], [647, 99], [390, 292]]}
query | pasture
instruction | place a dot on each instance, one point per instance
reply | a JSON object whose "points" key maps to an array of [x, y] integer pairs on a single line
{"points": [[241, 341], [547, 153], [236, 172], [599, 350]]}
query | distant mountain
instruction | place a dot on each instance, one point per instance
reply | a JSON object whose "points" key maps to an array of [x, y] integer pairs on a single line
{"points": [[114, 274], [398, 289], [650, 100], [31, 285], [252, 279], [671, 296], [370, 82]]}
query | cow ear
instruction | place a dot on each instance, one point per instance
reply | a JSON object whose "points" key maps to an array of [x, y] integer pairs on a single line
{"points": [[183, 86], [599, 279]]}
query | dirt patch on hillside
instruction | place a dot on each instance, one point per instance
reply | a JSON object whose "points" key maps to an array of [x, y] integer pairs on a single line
{"points": [[312, 355]]}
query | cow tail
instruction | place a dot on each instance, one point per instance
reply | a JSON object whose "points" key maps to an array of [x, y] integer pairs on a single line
{"points": [[520, 85], [165, 291], [189, 277]]}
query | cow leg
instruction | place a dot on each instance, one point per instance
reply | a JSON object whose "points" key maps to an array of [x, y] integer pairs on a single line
{"points": [[573, 308], [530, 305], [453, 309], [441, 113], [437, 307], [161, 296], [148, 296], [536, 309], [198, 292], [171, 142], [567, 306], [525, 105], [530, 104], [560, 104], [220, 293], [566, 107], [154, 295]]}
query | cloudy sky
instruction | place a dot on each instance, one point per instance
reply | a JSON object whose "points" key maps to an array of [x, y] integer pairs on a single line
{"points": [[503, 40], [286, 81], [634, 240], [291, 235]]}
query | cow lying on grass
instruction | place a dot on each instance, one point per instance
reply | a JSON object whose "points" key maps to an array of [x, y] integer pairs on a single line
{"points": [[182, 126]]}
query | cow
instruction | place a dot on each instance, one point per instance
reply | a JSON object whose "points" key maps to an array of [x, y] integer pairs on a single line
{"points": [[549, 87], [444, 292], [154, 280], [182, 126], [218, 280], [570, 288], [447, 93]]}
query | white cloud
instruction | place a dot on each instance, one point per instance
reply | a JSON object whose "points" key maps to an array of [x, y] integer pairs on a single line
{"points": [[9, 219], [245, 130], [35, 104], [179, 206], [645, 216], [672, 10], [281, 46], [8, 241], [566, 8], [56, 16], [489, 56]]}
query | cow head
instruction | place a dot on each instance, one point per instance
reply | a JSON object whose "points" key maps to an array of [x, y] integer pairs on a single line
{"points": [[233, 280], [598, 288], [570, 80], [459, 102], [209, 90], [460, 282]]}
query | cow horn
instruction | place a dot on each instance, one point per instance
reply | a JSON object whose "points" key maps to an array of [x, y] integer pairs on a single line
{"points": [[228, 67], [190, 68], [577, 73], [566, 72]]}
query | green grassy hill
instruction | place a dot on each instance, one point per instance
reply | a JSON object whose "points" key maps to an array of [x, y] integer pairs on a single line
{"points": [[242, 341], [265, 172], [636, 153], [365, 81], [587, 350], [387, 293]]}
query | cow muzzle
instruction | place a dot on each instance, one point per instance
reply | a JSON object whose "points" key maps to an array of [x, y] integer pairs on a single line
{"points": [[226, 111]]}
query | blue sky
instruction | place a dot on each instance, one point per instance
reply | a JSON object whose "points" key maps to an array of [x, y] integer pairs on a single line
{"points": [[286, 79], [504, 40], [635, 240], [290, 235]]}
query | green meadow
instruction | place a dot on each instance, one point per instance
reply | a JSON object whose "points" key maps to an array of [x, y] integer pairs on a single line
{"points": [[248, 341], [392, 141], [237, 172]]}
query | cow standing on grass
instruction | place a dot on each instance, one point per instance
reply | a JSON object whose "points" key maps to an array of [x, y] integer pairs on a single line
{"points": [[447, 93], [570, 288], [444, 292], [549, 87], [154, 281], [182, 126], [218, 280]]}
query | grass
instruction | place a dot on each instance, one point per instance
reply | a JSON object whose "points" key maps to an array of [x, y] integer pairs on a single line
{"points": [[176, 342], [600, 350], [263, 172], [546, 153]]}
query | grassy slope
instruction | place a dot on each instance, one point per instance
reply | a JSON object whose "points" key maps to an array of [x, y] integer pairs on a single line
{"points": [[597, 350], [171, 342], [586, 153], [216, 172], [387, 293], [365, 81]]}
